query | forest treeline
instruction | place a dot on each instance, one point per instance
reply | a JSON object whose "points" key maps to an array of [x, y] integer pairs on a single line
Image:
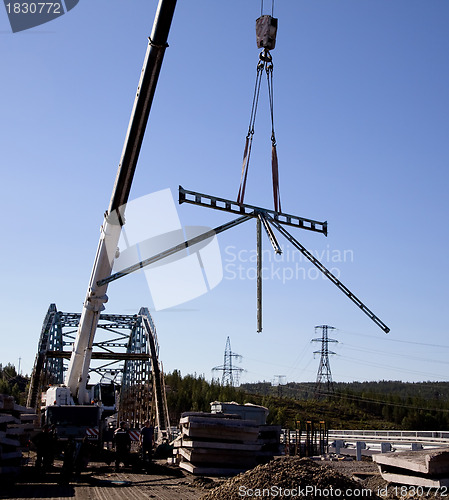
{"points": [[13, 384], [384, 404], [357, 405], [378, 405]]}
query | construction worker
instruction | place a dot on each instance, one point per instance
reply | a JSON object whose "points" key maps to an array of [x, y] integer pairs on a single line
{"points": [[122, 441], [146, 440], [82, 456], [68, 463], [45, 447], [108, 436]]}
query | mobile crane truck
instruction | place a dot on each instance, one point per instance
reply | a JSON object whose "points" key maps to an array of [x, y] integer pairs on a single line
{"points": [[70, 407]]}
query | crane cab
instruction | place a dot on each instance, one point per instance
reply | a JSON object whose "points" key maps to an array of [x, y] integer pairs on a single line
{"points": [[105, 395]]}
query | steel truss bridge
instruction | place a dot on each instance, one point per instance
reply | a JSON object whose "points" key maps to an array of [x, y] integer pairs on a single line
{"points": [[125, 352]]}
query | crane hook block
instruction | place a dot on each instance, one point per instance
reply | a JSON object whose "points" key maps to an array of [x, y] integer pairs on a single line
{"points": [[266, 28]]}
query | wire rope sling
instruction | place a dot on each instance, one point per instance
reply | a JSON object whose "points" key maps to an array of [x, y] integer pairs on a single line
{"points": [[266, 29]]}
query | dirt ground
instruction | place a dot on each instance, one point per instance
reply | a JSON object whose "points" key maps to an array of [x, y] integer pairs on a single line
{"points": [[101, 482]]}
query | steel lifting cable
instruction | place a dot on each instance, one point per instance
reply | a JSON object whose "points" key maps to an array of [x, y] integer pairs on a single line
{"points": [[268, 64], [272, 8], [266, 27], [250, 134], [274, 156], [265, 63]]}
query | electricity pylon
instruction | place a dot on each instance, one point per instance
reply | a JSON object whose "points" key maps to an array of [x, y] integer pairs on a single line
{"points": [[279, 381], [231, 373], [324, 375]]}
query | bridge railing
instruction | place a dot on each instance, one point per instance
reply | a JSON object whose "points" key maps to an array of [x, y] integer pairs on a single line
{"points": [[397, 436]]}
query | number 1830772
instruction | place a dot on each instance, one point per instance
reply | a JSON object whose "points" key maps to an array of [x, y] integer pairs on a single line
{"points": [[34, 8], [419, 491]]}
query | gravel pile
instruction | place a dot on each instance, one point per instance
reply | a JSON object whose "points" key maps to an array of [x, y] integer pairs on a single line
{"points": [[290, 477]]}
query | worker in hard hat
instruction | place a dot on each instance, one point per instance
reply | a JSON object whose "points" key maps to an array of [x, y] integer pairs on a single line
{"points": [[146, 441], [122, 441]]}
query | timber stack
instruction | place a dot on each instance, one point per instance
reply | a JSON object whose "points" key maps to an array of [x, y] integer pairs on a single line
{"points": [[225, 442], [16, 425]]}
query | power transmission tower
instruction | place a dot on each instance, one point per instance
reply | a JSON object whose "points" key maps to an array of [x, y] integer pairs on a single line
{"points": [[279, 381], [324, 377], [231, 373]]}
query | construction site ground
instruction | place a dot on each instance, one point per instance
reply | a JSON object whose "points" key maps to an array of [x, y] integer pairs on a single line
{"points": [[101, 482]]}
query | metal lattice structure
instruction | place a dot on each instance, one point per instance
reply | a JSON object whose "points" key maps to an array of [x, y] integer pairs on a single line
{"points": [[125, 352], [324, 382], [231, 373], [45, 371], [143, 389]]}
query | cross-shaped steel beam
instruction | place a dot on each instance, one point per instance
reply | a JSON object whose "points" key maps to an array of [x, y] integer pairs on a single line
{"points": [[278, 220], [205, 200], [265, 218]]}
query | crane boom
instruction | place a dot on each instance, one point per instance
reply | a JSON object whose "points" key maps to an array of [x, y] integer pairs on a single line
{"points": [[76, 377]]}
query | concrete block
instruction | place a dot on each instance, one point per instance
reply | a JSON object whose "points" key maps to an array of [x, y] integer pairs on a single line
{"points": [[339, 443], [385, 447], [431, 462], [219, 429], [359, 446]]}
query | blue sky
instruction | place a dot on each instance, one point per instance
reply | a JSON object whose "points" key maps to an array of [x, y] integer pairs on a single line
{"points": [[362, 122]]}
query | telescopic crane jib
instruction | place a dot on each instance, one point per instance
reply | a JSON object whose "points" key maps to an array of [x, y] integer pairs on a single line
{"points": [[77, 373]]}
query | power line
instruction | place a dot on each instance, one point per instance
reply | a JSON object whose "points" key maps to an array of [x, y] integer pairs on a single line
{"points": [[391, 354], [387, 339], [378, 401], [392, 368]]}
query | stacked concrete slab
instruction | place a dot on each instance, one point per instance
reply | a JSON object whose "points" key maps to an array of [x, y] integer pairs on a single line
{"points": [[270, 440], [269, 435], [213, 444], [426, 468], [16, 424], [225, 443], [247, 411]]}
